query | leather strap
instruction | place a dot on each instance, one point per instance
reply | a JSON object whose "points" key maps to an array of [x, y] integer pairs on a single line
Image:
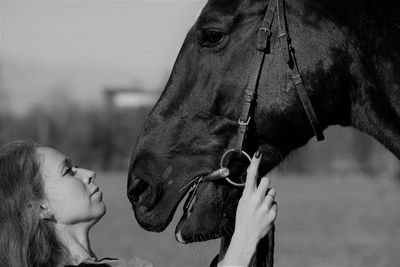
{"points": [[262, 47], [283, 35], [305, 100], [288, 53]]}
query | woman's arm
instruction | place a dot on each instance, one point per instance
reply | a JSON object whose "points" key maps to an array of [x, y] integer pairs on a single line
{"points": [[255, 214]]}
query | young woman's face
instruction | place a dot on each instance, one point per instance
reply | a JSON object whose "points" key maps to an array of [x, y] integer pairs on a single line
{"points": [[72, 197]]}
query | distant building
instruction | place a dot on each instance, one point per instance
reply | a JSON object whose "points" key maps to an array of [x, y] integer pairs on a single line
{"points": [[130, 97]]}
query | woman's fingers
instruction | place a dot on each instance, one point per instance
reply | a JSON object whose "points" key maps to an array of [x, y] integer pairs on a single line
{"points": [[273, 211], [263, 186], [252, 171], [269, 199]]}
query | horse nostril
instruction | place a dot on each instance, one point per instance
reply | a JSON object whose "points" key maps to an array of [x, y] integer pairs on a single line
{"points": [[142, 193]]}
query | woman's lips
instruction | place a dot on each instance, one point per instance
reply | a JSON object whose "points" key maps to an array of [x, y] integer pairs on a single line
{"points": [[97, 190]]}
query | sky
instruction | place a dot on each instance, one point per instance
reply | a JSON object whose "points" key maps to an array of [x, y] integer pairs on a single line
{"points": [[73, 50]]}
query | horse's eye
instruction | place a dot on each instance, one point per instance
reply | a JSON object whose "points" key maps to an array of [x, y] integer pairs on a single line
{"points": [[211, 38]]}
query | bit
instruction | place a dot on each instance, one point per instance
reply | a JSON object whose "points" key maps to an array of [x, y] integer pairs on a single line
{"points": [[215, 175]]}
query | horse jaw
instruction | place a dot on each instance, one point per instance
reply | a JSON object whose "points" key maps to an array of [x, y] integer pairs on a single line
{"points": [[207, 215]]}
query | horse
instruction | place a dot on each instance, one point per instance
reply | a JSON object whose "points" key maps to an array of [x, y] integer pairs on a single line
{"points": [[347, 53]]}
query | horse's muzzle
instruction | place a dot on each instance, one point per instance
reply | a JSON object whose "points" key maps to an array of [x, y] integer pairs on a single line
{"points": [[143, 194]]}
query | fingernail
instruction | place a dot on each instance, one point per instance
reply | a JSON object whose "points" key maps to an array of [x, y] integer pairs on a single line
{"points": [[257, 154]]}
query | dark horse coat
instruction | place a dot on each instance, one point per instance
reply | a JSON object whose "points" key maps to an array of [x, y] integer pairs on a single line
{"points": [[348, 52]]}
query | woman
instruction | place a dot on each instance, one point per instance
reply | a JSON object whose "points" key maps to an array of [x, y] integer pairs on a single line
{"points": [[48, 207]]}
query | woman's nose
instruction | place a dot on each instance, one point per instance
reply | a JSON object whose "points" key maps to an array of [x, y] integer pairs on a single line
{"points": [[88, 176]]}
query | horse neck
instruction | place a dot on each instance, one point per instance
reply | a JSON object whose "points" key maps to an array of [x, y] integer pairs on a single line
{"points": [[376, 102], [375, 107], [372, 29]]}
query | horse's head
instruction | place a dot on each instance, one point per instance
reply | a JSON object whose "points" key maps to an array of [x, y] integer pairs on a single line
{"points": [[195, 120]]}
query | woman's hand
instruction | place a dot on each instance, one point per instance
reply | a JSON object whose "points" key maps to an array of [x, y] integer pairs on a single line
{"points": [[256, 210], [255, 215]]}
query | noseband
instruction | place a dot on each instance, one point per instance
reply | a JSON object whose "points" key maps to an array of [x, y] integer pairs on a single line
{"points": [[288, 56]]}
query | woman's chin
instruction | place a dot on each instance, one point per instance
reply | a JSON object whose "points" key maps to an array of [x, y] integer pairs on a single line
{"points": [[98, 213], [102, 211]]}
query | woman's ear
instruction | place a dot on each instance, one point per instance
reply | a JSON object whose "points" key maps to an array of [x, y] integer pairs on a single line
{"points": [[46, 214]]}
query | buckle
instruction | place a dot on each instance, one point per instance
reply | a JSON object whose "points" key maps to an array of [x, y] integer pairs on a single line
{"points": [[265, 29], [297, 79], [281, 35], [244, 123], [263, 38]]}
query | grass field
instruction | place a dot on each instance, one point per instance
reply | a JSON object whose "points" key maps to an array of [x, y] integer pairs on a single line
{"points": [[344, 221]]}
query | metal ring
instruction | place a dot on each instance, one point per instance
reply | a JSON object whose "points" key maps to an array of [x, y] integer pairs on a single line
{"points": [[244, 123], [222, 166]]}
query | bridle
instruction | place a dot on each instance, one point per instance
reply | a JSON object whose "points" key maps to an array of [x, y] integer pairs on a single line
{"points": [[265, 250], [288, 55], [264, 256], [275, 7]]}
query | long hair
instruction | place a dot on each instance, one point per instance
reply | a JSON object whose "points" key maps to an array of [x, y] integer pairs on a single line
{"points": [[26, 240]]}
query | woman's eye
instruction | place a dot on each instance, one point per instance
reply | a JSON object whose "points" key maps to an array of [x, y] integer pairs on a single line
{"points": [[70, 171], [211, 38], [74, 169]]}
